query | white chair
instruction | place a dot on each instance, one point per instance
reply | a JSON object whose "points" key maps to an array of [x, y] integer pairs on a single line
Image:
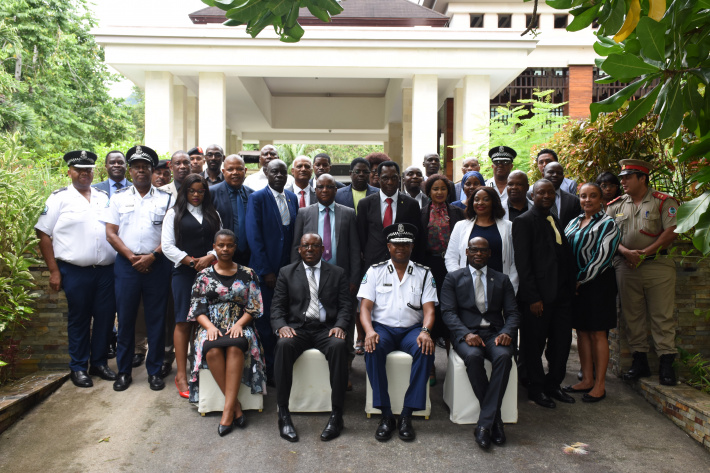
{"points": [[310, 391], [463, 403], [211, 397], [399, 367]]}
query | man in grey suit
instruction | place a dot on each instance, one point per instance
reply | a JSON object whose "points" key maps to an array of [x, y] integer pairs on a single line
{"points": [[478, 305], [116, 169]]}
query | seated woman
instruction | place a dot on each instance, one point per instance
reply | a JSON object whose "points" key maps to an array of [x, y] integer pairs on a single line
{"points": [[188, 232], [485, 218], [225, 300], [470, 182], [610, 186]]}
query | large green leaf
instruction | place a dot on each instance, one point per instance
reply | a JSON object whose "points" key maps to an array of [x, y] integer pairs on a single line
{"points": [[616, 18], [603, 49], [689, 213], [636, 111], [652, 36], [612, 103], [279, 7], [701, 239], [584, 19], [320, 13], [625, 67], [247, 12], [697, 150], [560, 4], [672, 113], [702, 74]]}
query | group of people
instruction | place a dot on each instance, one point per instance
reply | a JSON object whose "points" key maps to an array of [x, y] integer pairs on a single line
{"points": [[259, 269]]}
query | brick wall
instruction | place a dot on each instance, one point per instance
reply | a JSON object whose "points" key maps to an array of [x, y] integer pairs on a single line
{"points": [[581, 82]]}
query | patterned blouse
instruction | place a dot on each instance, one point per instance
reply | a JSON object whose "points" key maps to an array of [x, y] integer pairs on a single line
{"points": [[224, 306], [594, 245], [439, 228]]}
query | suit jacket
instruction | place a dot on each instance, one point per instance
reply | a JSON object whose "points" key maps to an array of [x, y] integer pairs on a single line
{"points": [[292, 296], [344, 196], [104, 186], [458, 304], [570, 208], [369, 225], [309, 190], [269, 240], [541, 276], [220, 198], [347, 240]]}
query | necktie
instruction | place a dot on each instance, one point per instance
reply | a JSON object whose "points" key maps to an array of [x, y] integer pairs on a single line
{"points": [[481, 298], [302, 202], [327, 248], [118, 186], [387, 221], [558, 238], [313, 313], [283, 209], [554, 210]]}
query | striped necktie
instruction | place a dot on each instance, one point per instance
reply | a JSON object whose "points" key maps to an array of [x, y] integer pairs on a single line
{"points": [[313, 313], [283, 209]]}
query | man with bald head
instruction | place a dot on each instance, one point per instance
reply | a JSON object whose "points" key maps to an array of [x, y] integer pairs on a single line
{"points": [[468, 164], [518, 202], [213, 156], [302, 170], [566, 205], [259, 180], [180, 166], [230, 198]]}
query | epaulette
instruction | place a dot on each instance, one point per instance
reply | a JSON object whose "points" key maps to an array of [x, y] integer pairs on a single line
{"points": [[612, 201], [163, 191], [427, 268], [122, 189], [662, 196], [379, 264], [61, 189], [101, 190]]}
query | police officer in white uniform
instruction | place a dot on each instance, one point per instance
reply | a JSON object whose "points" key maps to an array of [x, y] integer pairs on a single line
{"points": [[72, 241], [397, 300], [134, 221]]}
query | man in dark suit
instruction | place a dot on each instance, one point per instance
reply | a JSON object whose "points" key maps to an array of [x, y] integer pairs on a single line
{"points": [[321, 165], [380, 210], [311, 309], [566, 206], [271, 216], [116, 170], [544, 261], [413, 185], [230, 198], [359, 187], [483, 318], [302, 170]]}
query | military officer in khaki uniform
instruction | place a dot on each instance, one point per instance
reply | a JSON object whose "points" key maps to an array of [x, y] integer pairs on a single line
{"points": [[644, 273]]}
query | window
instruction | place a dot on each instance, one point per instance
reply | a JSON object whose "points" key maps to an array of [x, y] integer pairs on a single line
{"points": [[504, 20], [535, 22], [476, 20], [561, 21]]}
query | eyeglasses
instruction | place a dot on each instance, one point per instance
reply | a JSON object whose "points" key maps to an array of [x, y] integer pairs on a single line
{"points": [[195, 191], [360, 172], [325, 187], [214, 155], [608, 186], [478, 250], [315, 246]]}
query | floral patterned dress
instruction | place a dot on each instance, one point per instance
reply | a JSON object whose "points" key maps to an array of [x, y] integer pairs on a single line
{"points": [[225, 305]]}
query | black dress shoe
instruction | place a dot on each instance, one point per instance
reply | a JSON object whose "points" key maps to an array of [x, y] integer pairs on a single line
{"points": [[137, 359], [286, 428], [240, 421], [223, 430], [570, 389], [639, 368], [588, 398], [111, 353], [122, 382], [81, 379], [666, 373], [406, 431], [333, 427], [103, 372], [497, 432], [156, 382], [482, 437], [166, 369], [560, 395], [385, 429], [541, 399]]}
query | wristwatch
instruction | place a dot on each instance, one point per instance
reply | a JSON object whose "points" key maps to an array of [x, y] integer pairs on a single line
{"points": [[155, 254], [192, 262], [426, 330]]}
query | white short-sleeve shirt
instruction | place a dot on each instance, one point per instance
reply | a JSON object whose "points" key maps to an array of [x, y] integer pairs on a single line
{"points": [[398, 303], [75, 226]]}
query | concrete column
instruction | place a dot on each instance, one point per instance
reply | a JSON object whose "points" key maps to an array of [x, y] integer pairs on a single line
{"points": [[212, 108], [386, 147], [179, 118], [159, 110], [237, 144], [547, 21], [191, 132], [474, 100], [424, 118], [264, 143], [394, 143], [458, 133], [517, 21], [227, 141], [406, 124]]}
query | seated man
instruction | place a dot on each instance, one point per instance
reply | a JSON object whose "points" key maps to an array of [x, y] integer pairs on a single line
{"points": [[311, 309], [397, 300], [483, 318]]}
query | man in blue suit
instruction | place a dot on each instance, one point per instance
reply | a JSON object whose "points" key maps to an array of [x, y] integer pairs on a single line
{"points": [[271, 213], [116, 169], [350, 195], [230, 198]]}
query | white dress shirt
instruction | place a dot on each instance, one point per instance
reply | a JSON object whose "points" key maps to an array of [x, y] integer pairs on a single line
{"points": [[172, 252], [503, 195], [383, 205], [321, 309], [75, 226], [306, 194]]}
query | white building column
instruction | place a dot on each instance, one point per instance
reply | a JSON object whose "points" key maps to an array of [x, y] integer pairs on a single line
{"points": [[179, 118], [472, 117], [393, 145], [191, 133], [212, 108], [263, 143], [406, 125], [425, 96], [159, 110]]}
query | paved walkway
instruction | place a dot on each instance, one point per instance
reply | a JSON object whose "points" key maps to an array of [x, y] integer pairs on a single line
{"points": [[156, 432]]}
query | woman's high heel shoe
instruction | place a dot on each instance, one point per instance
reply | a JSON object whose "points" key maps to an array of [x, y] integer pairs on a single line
{"points": [[223, 430], [185, 394]]}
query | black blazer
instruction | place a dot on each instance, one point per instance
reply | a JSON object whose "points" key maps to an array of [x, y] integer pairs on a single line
{"points": [[369, 226], [292, 296], [458, 304], [570, 208], [542, 277], [455, 216]]}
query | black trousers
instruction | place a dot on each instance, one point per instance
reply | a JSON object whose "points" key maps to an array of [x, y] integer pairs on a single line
{"points": [[489, 392], [311, 335], [554, 328]]}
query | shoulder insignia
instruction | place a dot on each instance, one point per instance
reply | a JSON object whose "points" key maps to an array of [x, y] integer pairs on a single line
{"points": [[122, 189], [364, 279], [376, 265], [421, 266], [390, 268], [45, 210], [160, 189], [660, 195], [672, 211], [61, 189], [101, 190], [410, 269], [612, 201], [433, 283]]}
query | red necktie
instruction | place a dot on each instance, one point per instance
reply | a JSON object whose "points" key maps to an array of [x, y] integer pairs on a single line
{"points": [[387, 221], [302, 202]]}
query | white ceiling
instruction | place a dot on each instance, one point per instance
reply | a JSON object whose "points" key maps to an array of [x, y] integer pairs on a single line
{"points": [[326, 87]]}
